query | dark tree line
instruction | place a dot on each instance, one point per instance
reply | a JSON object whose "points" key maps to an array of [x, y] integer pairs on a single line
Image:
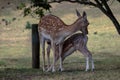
{"points": [[42, 5]]}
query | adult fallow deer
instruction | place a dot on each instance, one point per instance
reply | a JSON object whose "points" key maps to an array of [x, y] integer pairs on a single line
{"points": [[54, 29], [75, 42]]}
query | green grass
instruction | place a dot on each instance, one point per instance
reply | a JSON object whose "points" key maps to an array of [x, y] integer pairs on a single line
{"points": [[16, 56]]}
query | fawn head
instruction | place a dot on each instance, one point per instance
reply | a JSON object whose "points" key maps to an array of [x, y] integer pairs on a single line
{"points": [[83, 22]]}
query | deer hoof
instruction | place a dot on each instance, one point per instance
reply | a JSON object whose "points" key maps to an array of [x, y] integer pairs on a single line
{"points": [[49, 69], [43, 69], [86, 70], [92, 69], [61, 69], [53, 70]]}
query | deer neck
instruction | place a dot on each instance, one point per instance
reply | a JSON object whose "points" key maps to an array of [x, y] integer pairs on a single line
{"points": [[76, 26]]}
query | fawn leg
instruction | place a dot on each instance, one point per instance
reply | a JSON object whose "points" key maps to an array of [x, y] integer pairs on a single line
{"points": [[48, 55], [53, 65], [43, 51], [60, 57]]}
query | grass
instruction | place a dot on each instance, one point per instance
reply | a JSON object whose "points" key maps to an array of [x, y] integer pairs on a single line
{"points": [[104, 43]]}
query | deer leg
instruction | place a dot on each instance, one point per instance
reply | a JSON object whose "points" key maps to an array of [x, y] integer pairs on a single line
{"points": [[87, 64], [54, 51], [48, 55], [56, 56], [84, 52], [43, 51], [90, 58], [60, 56], [53, 65], [92, 62]]}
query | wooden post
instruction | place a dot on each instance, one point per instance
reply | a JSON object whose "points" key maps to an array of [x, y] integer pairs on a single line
{"points": [[35, 47]]}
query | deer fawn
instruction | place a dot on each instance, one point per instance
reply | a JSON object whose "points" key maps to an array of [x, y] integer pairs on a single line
{"points": [[75, 42], [52, 28]]}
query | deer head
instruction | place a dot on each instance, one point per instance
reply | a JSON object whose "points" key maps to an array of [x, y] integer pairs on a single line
{"points": [[84, 22]]}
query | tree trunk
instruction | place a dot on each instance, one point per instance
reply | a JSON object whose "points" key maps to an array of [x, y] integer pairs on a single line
{"points": [[115, 22], [111, 16], [107, 11]]}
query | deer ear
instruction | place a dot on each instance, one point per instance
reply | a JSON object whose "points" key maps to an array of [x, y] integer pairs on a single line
{"points": [[78, 14], [84, 14]]}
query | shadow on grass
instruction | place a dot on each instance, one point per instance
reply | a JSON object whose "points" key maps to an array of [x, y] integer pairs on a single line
{"points": [[21, 74], [105, 62]]}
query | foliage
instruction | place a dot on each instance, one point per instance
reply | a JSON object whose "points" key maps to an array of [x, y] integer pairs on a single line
{"points": [[36, 6], [22, 5], [41, 5], [28, 25], [27, 11]]}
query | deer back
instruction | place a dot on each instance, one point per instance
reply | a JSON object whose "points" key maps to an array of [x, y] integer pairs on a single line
{"points": [[77, 41], [51, 24]]}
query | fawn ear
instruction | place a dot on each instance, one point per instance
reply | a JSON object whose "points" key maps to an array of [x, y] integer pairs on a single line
{"points": [[78, 14], [84, 14]]}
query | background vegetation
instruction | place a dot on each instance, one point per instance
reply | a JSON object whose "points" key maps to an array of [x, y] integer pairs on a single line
{"points": [[15, 44]]}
